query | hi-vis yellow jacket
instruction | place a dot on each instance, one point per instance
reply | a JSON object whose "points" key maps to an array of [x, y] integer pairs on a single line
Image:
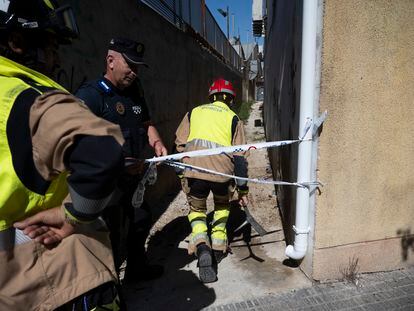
{"points": [[212, 123], [210, 126], [23, 191]]}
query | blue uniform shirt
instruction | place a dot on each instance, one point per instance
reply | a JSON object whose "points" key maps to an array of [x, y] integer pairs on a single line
{"points": [[127, 108]]}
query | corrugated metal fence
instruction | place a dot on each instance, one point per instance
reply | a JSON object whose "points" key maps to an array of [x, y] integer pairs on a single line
{"points": [[195, 14]]}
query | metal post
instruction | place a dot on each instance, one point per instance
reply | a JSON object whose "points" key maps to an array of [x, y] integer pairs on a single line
{"points": [[175, 13], [203, 17], [228, 18], [226, 15], [180, 12], [189, 14], [232, 24]]}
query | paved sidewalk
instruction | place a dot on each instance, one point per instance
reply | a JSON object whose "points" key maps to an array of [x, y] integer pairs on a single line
{"points": [[376, 291]]}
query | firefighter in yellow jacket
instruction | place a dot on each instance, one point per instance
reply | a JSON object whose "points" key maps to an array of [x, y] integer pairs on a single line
{"points": [[210, 126], [52, 254]]}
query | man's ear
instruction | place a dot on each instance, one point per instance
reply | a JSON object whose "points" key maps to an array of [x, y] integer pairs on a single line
{"points": [[110, 61], [17, 42]]}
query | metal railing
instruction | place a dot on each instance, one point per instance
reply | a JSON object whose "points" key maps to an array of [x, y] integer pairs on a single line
{"points": [[196, 15]]}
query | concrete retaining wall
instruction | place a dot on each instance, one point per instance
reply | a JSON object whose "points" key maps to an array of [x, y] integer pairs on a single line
{"points": [[180, 73]]}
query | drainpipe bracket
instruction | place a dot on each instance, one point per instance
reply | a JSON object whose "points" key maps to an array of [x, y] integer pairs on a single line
{"points": [[318, 122], [301, 231]]}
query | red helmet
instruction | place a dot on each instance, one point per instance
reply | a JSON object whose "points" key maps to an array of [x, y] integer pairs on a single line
{"points": [[221, 86]]}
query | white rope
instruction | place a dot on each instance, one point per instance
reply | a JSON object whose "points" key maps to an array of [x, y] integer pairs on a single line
{"points": [[190, 167], [171, 159], [150, 176], [223, 150]]}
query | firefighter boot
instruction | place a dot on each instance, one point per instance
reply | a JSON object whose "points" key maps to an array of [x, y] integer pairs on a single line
{"points": [[206, 271], [219, 255]]}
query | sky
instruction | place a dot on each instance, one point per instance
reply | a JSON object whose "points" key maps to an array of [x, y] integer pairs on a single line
{"points": [[242, 12]]}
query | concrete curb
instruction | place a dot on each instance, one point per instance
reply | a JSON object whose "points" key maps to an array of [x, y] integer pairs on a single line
{"points": [[375, 291]]}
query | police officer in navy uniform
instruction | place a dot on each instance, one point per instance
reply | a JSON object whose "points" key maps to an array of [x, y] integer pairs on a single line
{"points": [[118, 97]]}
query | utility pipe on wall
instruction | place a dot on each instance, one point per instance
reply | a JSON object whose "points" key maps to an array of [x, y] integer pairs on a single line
{"points": [[307, 95]]}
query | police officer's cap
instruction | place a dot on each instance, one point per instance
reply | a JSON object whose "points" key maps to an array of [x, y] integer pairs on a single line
{"points": [[132, 51]]}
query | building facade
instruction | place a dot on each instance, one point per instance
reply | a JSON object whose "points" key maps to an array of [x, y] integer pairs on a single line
{"points": [[363, 217]]}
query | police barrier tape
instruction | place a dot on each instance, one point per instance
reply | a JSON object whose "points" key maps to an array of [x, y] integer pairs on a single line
{"points": [[186, 166], [150, 177], [224, 150], [170, 160]]}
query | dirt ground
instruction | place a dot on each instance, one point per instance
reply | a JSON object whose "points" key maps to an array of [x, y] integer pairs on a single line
{"points": [[254, 267]]}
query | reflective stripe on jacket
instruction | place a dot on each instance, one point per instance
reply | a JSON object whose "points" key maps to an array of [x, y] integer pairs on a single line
{"points": [[18, 199]]}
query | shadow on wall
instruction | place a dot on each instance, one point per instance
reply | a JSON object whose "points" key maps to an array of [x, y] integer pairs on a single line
{"points": [[171, 87], [68, 79], [407, 242], [282, 99]]}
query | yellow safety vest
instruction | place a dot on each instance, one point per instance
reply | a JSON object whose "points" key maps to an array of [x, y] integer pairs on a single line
{"points": [[16, 200], [212, 122]]}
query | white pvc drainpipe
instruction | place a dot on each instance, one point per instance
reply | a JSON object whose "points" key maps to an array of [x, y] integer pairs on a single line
{"points": [[307, 93]]}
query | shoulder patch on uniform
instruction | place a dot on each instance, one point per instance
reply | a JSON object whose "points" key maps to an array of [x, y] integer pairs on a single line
{"points": [[136, 109], [120, 108]]}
